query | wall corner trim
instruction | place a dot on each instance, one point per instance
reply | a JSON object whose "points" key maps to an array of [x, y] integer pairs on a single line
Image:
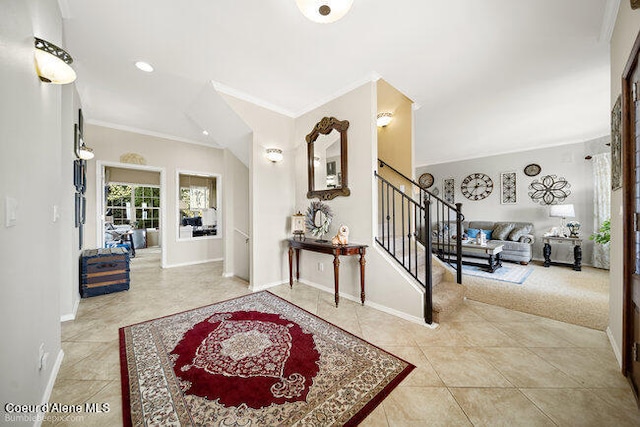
{"points": [[47, 392], [72, 315], [614, 346]]}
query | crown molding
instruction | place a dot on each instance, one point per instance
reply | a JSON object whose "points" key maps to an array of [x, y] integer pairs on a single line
{"points": [[151, 133], [227, 90], [609, 20]]}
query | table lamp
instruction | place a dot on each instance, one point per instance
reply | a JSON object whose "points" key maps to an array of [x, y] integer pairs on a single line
{"points": [[562, 211]]}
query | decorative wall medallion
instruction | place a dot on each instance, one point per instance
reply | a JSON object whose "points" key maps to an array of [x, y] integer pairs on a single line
{"points": [[616, 145], [133, 158], [449, 188], [532, 169], [425, 180], [508, 186], [476, 186], [550, 190]]}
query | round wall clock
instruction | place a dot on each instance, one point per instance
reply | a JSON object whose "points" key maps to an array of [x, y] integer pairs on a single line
{"points": [[476, 186], [532, 169], [425, 180]]}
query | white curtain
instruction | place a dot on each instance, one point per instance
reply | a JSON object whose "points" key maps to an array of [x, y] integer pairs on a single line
{"points": [[601, 204]]}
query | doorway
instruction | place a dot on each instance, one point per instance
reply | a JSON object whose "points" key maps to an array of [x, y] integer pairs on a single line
{"points": [[131, 197]]}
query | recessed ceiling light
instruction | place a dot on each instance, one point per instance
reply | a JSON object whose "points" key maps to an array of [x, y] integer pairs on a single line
{"points": [[205, 133], [144, 66]]}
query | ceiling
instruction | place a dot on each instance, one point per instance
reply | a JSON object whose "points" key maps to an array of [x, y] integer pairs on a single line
{"points": [[487, 77]]}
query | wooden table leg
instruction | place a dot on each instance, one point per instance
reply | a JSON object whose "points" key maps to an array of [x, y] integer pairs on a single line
{"points": [[336, 275], [546, 251], [298, 264], [577, 258], [362, 263], [290, 267]]}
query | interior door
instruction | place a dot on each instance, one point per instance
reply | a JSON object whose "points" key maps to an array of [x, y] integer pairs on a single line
{"points": [[631, 187]]}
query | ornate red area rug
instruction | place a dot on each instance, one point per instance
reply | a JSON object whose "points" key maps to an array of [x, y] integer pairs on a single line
{"points": [[256, 360]]}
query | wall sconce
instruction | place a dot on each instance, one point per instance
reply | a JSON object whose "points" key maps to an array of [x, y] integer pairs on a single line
{"points": [[384, 119], [273, 154], [324, 11], [53, 64], [82, 151]]}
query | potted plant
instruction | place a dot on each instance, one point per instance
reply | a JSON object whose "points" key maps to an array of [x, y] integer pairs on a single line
{"points": [[604, 233]]}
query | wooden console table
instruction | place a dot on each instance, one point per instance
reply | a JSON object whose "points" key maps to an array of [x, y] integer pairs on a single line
{"points": [[577, 251], [327, 248]]}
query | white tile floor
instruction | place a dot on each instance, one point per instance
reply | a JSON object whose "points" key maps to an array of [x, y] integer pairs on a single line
{"points": [[485, 366]]}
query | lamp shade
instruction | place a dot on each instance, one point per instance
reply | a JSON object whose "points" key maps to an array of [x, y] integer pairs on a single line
{"points": [[324, 11], [383, 119], [53, 64], [562, 211], [274, 154]]}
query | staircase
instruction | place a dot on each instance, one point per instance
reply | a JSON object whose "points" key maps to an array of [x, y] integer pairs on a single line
{"points": [[405, 233]]}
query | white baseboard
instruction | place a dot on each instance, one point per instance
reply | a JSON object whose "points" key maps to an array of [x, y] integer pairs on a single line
{"points": [[614, 346], [371, 304], [258, 288], [230, 274], [47, 392], [185, 264], [72, 315]]}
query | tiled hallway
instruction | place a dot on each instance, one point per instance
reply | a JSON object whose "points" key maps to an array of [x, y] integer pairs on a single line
{"points": [[485, 366]]}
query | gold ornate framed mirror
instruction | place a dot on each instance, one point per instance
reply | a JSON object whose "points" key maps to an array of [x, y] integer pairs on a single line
{"points": [[327, 159]]}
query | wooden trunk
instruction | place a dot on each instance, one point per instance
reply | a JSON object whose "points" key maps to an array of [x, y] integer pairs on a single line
{"points": [[103, 271]]}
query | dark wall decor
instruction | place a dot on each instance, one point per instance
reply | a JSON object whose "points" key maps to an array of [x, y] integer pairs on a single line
{"points": [[532, 169], [508, 195], [616, 145], [549, 190], [449, 188], [79, 182], [477, 186], [635, 4]]}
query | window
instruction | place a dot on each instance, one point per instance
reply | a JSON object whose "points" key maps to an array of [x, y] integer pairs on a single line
{"points": [[145, 200], [198, 205]]}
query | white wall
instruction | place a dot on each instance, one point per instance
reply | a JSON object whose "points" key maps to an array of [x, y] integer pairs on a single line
{"points": [[271, 192], [31, 172], [624, 35], [172, 156], [236, 209], [564, 161], [385, 285], [68, 242]]}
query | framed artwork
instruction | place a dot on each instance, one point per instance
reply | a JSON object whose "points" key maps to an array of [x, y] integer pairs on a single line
{"points": [[78, 210], [508, 188], [616, 145], [449, 188]]}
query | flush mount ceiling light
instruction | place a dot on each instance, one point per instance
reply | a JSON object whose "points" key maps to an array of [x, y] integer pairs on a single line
{"points": [[273, 154], [144, 66], [205, 133], [384, 119], [53, 64], [324, 11]]}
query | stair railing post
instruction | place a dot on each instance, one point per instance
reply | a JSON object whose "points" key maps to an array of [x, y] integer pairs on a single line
{"points": [[428, 291], [459, 242]]}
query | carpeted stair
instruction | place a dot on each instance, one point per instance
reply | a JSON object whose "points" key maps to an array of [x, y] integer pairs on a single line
{"points": [[447, 294]]}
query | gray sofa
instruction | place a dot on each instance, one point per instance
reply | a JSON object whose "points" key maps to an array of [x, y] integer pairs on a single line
{"points": [[516, 237]]}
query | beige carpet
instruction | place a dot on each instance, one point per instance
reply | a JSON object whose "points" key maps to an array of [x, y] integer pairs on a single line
{"points": [[560, 293]]}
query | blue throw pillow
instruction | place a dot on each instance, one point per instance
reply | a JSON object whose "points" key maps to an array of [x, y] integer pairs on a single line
{"points": [[487, 233], [472, 233]]}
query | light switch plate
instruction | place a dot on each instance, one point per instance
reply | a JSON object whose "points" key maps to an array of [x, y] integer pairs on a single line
{"points": [[11, 211]]}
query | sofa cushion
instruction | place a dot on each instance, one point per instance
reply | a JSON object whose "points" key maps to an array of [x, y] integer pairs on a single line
{"points": [[472, 233], [519, 231], [488, 234], [502, 229]]}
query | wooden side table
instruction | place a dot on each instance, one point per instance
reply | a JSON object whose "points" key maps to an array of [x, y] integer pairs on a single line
{"points": [[327, 248], [577, 251]]}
